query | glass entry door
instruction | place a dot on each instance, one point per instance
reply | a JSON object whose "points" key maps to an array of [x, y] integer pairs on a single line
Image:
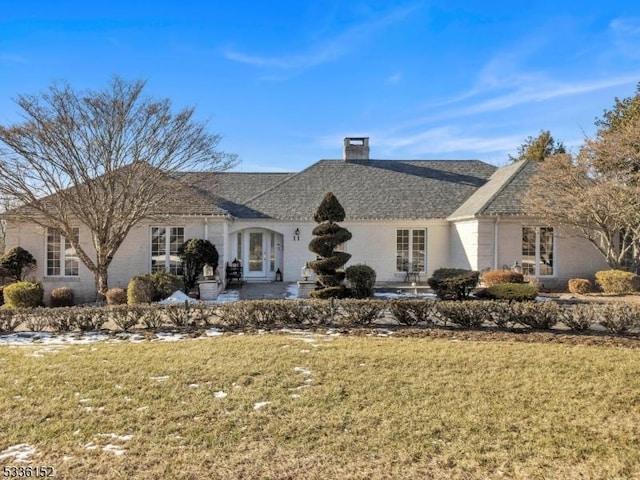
{"points": [[257, 255]]}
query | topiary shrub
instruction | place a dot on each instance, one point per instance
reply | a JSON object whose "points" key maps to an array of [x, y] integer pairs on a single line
{"points": [[497, 277], [327, 236], [514, 292], [579, 286], [616, 281], [23, 295], [16, 264], [116, 296], [165, 284], [453, 283], [195, 253], [362, 279], [61, 297], [141, 289]]}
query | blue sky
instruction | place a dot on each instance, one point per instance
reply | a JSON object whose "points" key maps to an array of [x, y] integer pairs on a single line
{"points": [[285, 81]]}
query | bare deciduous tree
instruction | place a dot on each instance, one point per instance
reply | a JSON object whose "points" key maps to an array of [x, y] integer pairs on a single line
{"points": [[103, 160], [597, 191]]}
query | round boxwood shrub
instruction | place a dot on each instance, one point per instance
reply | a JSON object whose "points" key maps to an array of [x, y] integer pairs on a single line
{"points": [[23, 295], [617, 281], [517, 292], [61, 297], [141, 289], [116, 296], [497, 277], [165, 284], [362, 279], [453, 283], [579, 286]]}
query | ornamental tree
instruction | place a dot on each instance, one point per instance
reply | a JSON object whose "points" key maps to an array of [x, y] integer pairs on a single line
{"points": [[327, 236], [100, 160]]}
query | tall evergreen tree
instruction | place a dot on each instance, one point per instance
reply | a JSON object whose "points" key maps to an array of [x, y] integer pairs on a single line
{"points": [[327, 236], [539, 148]]}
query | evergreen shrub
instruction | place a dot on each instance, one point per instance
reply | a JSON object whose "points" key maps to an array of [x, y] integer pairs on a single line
{"points": [[514, 292], [362, 279], [23, 295], [617, 281], [453, 283]]}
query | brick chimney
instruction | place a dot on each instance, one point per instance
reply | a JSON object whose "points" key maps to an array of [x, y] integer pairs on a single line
{"points": [[356, 149]]}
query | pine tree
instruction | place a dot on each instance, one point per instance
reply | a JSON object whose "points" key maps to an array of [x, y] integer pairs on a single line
{"points": [[327, 236]]}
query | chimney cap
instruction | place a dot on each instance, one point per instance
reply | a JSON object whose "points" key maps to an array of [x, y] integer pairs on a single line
{"points": [[355, 149]]}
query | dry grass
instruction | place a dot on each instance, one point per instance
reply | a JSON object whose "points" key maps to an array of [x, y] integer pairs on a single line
{"points": [[340, 408]]}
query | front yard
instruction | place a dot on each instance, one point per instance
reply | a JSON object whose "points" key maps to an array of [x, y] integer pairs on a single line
{"points": [[303, 405]]}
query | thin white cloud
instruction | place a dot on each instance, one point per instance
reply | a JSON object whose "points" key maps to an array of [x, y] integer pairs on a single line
{"points": [[322, 52], [444, 140], [626, 36]]}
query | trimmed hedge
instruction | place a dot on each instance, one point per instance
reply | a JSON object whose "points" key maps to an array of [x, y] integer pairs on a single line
{"points": [[617, 281], [616, 318], [453, 283], [23, 295], [579, 286], [116, 296], [62, 297], [497, 277], [513, 292], [362, 279]]}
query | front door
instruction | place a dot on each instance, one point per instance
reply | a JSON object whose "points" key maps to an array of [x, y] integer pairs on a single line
{"points": [[257, 255]]}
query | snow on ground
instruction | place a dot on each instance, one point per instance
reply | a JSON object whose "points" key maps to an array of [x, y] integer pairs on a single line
{"points": [[259, 405], [19, 453]]}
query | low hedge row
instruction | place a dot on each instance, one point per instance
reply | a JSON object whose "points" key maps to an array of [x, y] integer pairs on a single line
{"points": [[614, 317]]}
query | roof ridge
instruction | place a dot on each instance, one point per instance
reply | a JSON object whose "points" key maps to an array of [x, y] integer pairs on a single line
{"points": [[290, 177], [503, 186]]}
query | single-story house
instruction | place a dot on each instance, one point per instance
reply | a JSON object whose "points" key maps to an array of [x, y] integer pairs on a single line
{"points": [[405, 215]]}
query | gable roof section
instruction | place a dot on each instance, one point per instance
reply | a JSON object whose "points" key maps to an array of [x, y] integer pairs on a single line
{"points": [[502, 195], [219, 193], [375, 189]]}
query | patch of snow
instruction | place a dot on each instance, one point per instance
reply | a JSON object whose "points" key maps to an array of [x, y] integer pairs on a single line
{"points": [[160, 378], [295, 395], [543, 299], [178, 297], [220, 394], [170, 337], [214, 332], [407, 294], [259, 405], [193, 385], [90, 446], [114, 436], [115, 449], [292, 291], [142, 409], [20, 452], [302, 371]]}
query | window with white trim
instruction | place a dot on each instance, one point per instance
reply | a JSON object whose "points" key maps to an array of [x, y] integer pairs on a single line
{"points": [[411, 250], [62, 260], [538, 251], [165, 242]]}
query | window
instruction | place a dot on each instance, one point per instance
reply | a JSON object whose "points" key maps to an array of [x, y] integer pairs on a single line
{"points": [[272, 253], [411, 250], [537, 251], [165, 242], [62, 259]]}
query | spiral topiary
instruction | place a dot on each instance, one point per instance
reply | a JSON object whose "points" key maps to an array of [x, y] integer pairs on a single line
{"points": [[327, 236]]}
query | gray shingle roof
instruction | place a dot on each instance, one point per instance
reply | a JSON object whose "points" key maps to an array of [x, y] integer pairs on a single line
{"points": [[502, 195], [220, 193], [376, 189]]}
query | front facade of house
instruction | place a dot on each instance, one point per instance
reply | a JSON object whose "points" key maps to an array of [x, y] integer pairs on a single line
{"points": [[405, 216]]}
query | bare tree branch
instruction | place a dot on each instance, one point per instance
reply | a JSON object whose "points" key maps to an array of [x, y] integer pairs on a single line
{"points": [[100, 159]]}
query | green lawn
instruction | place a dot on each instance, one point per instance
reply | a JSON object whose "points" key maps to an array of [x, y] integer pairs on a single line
{"points": [[346, 407]]}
